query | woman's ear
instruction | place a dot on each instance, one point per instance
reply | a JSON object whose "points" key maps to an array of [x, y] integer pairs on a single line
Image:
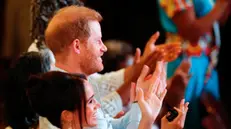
{"points": [[67, 116], [76, 46]]}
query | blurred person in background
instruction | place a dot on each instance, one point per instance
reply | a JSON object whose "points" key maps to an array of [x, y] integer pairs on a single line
{"points": [[17, 110], [119, 55], [194, 23]]}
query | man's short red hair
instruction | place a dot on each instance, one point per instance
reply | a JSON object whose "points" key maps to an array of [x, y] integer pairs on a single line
{"points": [[68, 24]]}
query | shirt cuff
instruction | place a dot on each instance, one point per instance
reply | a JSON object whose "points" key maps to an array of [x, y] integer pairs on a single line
{"points": [[135, 112]]}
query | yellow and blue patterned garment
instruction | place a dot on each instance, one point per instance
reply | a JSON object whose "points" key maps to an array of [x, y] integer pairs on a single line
{"points": [[199, 64]]}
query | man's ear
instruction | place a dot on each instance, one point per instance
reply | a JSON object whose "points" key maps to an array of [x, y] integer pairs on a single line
{"points": [[67, 116], [76, 46]]}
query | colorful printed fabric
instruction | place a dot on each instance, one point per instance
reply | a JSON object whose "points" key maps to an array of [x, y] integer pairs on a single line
{"points": [[172, 7], [202, 56]]}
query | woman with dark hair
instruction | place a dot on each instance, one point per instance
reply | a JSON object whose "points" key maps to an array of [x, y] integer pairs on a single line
{"points": [[67, 101], [18, 112], [63, 97]]}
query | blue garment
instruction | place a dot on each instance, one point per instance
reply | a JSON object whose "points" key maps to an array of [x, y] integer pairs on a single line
{"points": [[199, 64], [195, 87]]}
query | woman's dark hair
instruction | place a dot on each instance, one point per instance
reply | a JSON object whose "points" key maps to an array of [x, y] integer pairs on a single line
{"points": [[54, 92], [18, 113]]}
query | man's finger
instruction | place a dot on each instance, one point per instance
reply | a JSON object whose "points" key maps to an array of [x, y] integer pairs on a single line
{"points": [[152, 88], [120, 114], [153, 38], [164, 76], [164, 119], [153, 59], [182, 105], [163, 94], [168, 45], [133, 91], [148, 77], [137, 56], [158, 89], [170, 57], [186, 107], [144, 72], [157, 72], [140, 94]]}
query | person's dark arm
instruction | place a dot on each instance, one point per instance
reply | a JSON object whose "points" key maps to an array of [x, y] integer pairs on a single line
{"points": [[191, 28]]}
